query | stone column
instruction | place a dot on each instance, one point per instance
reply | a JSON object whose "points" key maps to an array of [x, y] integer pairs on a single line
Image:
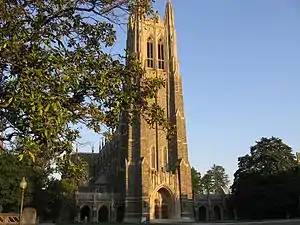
{"points": [[222, 213], [112, 212], [145, 207], [78, 217], [235, 214], [95, 214]]}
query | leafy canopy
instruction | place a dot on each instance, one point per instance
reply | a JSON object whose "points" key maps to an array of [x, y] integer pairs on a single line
{"points": [[214, 181], [10, 178], [268, 180], [56, 72], [219, 178], [11, 172], [196, 181], [268, 156]]}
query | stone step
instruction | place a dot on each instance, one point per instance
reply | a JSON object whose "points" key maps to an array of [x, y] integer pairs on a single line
{"points": [[171, 221]]}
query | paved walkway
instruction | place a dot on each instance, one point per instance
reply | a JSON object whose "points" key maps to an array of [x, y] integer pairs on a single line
{"points": [[269, 222], [278, 222]]}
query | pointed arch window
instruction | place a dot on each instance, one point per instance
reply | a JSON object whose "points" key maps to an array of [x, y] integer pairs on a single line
{"points": [[153, 158], [161, 55], [150, 53], [165, 156]]}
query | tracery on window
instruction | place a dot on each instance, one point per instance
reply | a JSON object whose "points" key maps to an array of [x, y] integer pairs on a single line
{"points": [[165, 156], [161, 56], [150, 53], [153, 158]]}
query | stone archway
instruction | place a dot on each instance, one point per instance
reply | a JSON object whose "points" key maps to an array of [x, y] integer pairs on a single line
{"points": [[156, 209], [85, 214], [162, 204], [120, 214], [202, 213], [103, 214], [165, 209], [217, 212]]}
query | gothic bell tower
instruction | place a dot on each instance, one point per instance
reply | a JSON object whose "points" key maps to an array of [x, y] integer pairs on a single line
{"points": [[158, 173]]}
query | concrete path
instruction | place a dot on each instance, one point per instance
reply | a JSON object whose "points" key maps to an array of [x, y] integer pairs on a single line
{"points": [[278, 222]]}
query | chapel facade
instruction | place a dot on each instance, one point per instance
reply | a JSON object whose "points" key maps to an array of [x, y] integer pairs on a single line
{"points": [[140, 172]]}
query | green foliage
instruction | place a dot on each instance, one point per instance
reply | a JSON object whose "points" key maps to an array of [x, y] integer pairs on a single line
{"points": [[196, 181], [59, 200], [11, 172], [49, 196], [206, 183], [10, 177], [219, 178], [213, 181], [268, 180], [55, 73], [269, 156]]}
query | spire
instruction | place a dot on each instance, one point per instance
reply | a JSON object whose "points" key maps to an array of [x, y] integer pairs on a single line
{"points": [[169, 13], [171, 35]]}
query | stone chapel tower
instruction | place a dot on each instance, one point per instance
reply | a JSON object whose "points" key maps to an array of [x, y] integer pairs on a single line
{"points": [[158, 173]]}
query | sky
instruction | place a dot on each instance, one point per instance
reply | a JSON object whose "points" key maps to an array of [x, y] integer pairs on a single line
{"points": [[240, 67]]}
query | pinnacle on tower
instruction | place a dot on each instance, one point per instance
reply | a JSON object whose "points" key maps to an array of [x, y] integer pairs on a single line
{"points": [[169, 13]]}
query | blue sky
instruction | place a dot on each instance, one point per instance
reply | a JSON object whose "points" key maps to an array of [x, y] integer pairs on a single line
{"points": [[240, 66]]}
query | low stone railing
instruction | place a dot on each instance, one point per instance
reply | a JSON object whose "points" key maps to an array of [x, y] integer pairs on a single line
{"points": [[9, 218], [96, 196]]}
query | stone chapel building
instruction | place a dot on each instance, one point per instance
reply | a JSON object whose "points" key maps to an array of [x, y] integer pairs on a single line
{"points": [[140, 173]]}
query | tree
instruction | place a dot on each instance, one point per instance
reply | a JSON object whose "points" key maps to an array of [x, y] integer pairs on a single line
{"points": [[206, 184], [267, 180], [219, 178], [49, 196], [11, 172], [196, 181], [55, 73], [60, 202], [269, 156], [215, 180], [10, 177]]}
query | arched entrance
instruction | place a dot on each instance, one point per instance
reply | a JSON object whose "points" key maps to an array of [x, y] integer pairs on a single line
{"points": [[120, 214], [164, 209], [156, 209], [162, 204], [217, 213], [85, 213], [202, 213], [103, 214]]}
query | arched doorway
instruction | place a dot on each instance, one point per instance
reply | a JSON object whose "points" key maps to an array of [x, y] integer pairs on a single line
{"points": [[164, 209], [202, 213], [103, 214], [217, 213], [120, 214], [156, 209], [85, 213], [162, 204]]}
